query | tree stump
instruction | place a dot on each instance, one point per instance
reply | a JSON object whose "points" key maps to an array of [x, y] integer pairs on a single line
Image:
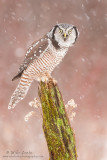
{"points": [[58, 132]]}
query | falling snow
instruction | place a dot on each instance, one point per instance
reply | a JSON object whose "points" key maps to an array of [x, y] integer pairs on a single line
{"points": [[20, 52], [81, 76]]}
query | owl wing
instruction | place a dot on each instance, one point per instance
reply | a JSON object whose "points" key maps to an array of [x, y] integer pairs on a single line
{"points": [[34, 52]]}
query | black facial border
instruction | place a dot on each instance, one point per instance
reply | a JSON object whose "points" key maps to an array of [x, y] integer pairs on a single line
{"points": [[76, 33]]}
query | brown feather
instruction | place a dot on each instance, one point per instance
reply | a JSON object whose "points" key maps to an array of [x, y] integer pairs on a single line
{"points": [[32, 54]]}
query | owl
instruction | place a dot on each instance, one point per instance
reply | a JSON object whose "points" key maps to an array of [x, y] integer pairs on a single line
{"points": [[42, 57]]}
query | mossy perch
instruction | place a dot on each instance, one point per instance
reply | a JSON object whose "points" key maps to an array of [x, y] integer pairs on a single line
{"points": [[58, 132]]}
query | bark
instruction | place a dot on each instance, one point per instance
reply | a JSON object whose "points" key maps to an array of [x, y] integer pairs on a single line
{"points": [[58, 132]]}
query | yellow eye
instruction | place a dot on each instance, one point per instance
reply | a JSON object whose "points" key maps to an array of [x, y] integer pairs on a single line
{"points": [[70, 31], [60, 31]]}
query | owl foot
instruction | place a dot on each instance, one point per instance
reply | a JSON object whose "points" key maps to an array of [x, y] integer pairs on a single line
{"points": [[54, 81], [46, 78]]}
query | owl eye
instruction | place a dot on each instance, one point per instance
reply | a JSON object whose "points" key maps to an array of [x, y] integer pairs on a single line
{"points": [[70, 31], [60, 31]]}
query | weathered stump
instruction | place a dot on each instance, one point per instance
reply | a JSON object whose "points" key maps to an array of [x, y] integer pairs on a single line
{"points": [[58, 132]]}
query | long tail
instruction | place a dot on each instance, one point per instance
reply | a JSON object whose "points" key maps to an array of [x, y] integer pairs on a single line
{"points": [[21, 90]]}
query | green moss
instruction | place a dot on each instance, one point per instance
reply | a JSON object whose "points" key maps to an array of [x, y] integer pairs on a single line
{"points": [[68, 130], [58, 133], [59, 122]]}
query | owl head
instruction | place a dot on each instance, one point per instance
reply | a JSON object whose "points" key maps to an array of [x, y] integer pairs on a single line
{"points": [[64, 34]]}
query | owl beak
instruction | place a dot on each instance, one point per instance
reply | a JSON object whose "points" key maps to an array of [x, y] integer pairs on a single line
{"points": [[65, 35]]}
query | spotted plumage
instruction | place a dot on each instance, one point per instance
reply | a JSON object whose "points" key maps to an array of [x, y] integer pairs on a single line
{"points": [[42, 57]]}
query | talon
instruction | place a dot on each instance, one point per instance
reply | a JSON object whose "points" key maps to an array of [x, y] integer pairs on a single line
{"points": [[54, 81]]}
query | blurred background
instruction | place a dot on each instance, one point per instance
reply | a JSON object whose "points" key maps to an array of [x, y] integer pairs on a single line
{"points": [[82, 75]]}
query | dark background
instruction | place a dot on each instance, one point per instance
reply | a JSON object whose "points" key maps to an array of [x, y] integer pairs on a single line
{"points": [[82, 75]]}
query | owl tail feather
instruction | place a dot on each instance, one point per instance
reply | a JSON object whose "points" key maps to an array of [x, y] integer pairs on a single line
{"points": [[21, 91]]}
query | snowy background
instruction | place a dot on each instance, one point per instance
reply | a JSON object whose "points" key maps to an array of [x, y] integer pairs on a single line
{"points": [[82, 75]]}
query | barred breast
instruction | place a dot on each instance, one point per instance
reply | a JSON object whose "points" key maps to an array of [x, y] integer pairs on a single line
{"points": [[45, 64]]}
